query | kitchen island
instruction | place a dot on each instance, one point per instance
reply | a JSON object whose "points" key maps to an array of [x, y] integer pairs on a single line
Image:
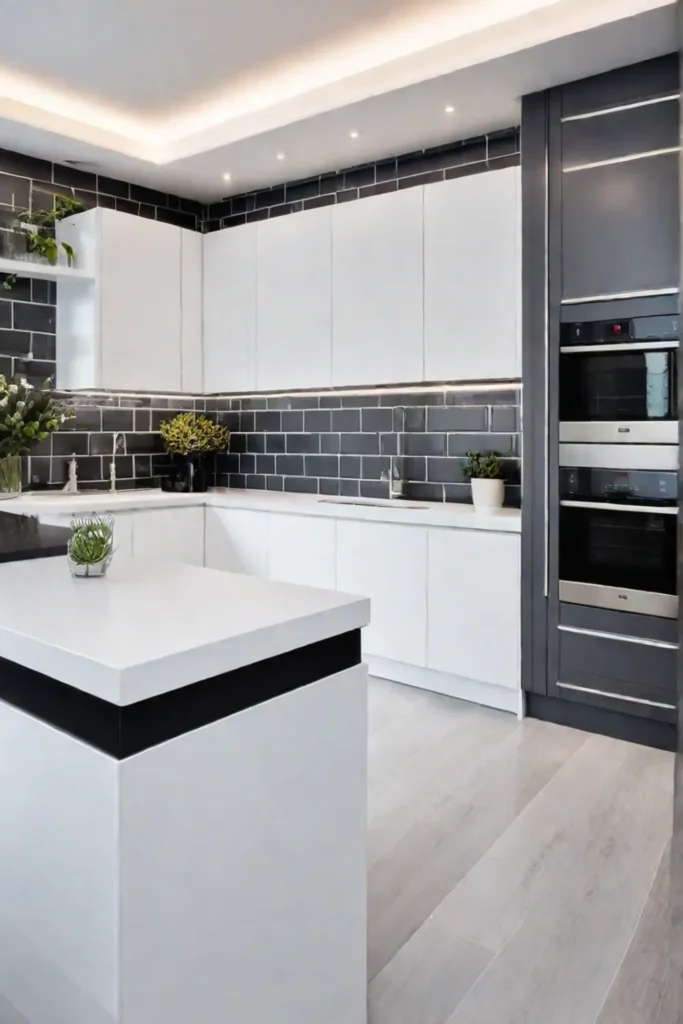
{"points": [[183, 805]]}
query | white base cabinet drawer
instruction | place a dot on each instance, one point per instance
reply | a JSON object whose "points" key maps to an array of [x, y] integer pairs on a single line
{"points": [[237, 541], [302, 550], [388, 564], [474, 605]]}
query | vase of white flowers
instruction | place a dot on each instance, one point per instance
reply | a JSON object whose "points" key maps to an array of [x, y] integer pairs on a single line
{"points": [[27, 415]]}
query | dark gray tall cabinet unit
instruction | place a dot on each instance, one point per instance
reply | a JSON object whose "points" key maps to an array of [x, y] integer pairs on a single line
{"points": [[600, 169]]}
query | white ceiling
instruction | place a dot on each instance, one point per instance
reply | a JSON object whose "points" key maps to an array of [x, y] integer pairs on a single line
{"points": [[185, 92]]}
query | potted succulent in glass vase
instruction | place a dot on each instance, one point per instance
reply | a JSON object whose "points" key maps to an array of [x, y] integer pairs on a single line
{"points": [[191, 437], [28, 415], [485, 471], [91, 545]]}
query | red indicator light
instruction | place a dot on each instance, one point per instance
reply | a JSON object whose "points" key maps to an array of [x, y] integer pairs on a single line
{"points": [[616, 329]]}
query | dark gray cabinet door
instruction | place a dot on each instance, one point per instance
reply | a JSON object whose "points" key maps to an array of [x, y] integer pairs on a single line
{"points": [[620, 227]]}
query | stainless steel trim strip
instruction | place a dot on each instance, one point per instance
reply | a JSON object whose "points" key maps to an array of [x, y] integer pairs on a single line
{"points": [[623, 106], [633, 432], [614, 507], [629, 158], [619, 636], [647, 294], [633, 346], [546, 389], [662, 457], [617, 696], [640, 602]]}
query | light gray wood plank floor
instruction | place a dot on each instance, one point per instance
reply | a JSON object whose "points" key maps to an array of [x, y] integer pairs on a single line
{"points": [[518, 871]]}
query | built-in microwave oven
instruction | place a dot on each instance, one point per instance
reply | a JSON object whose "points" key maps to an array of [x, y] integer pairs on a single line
{"points": [[618, 381], [617, 542]]}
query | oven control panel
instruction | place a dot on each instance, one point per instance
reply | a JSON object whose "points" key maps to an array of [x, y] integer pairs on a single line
{"points": [[613, 332], [622, 487]]}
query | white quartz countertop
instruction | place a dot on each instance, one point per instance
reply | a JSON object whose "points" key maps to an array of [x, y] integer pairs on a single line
{"points": [[444, 514], [152, 626]]}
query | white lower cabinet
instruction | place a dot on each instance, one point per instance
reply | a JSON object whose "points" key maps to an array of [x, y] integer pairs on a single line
{"points": [[237, 541], [123, 533], [302, 549], [176, 534], [388, 564], [474, 605]]}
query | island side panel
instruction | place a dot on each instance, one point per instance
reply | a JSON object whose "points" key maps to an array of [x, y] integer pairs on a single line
{"points": [[243, 865], [59, 875]]}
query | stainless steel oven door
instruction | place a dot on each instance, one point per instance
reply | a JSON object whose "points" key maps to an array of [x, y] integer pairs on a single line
{"points": [[619, 394]]}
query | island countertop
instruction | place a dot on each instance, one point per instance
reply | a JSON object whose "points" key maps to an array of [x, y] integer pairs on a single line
{"points": [[152, 626]]}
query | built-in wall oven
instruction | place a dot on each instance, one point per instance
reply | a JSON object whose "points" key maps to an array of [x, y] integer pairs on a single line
{"points": [[618, 381], [617, 542]]}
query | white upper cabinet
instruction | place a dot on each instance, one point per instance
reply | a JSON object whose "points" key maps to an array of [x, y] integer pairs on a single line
{"points": [[124, 329], [377, 289], [230, 309], [472, 252], [191, 351], [294, 301]]}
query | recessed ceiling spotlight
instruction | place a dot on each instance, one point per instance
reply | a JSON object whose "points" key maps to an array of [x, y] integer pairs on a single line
{"points": [[354, 135], [449, 109], [227, 176], [280, 156]]}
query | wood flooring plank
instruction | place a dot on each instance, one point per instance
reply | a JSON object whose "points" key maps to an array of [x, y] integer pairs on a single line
{"points": [[449, 833], [563, 958], [423, 984], [643, 990]]}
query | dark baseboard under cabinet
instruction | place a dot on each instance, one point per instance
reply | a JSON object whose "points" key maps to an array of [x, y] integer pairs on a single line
{"points": [[649, 732]]}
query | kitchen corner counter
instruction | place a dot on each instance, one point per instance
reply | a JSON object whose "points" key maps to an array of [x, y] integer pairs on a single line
{"points": [[22, 538], [420, 513]]}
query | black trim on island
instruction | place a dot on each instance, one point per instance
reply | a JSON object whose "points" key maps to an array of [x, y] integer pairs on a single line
{"points": [[122, 731]]}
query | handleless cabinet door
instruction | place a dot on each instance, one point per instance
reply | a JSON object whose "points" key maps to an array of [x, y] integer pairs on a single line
{"points": [[294, 301], [230, 309], [302, 549], [472, 240], [174, 534], [474, 586], [237, 541], [377, 290], [192, 371], [388, 564], [140, 315]]}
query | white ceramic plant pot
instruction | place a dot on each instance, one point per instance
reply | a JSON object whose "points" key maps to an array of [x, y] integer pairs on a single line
{"points": [[487, 495]]}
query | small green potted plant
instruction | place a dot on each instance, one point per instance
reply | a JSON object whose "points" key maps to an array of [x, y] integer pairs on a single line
{"points": [[485, 471], [27, 415], [91, 545], [33, 235], [191, 438]]}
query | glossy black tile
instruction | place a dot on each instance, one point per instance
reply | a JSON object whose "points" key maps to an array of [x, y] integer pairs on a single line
{"points": [[113, 187], [331, 183], [25, 166], [303, 443], [247, 463], [118, 419], [255, 482], [256, 443], [276, 443], [293, 421], [374, 489], [267, 421], [319, 201], [350, 466], [261, 214], [304, 189], [360, 444], [289, 465], [460, 444], [329, 487], [74, 177], [377, 190], [374, 466], [412, 467], [317, 420], [330, 444], [321, 465], [445, 471], [275, 483], [265, 464], [356, 177], [423, 444], [429, 178], [148, 195], [505, 418], [15, 343], [377, 420], [34, 317], [301, 485], [450, 418], [349, 488], [346, 420], [270, 197], [14, 191]]}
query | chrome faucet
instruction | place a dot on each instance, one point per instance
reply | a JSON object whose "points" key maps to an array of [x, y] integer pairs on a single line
{"points": [[395, 476], [117, 436]]}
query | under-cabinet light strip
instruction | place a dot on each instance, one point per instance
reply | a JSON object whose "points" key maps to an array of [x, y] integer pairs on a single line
{"points": [[623, 106], [622, 159], [617, 696]]}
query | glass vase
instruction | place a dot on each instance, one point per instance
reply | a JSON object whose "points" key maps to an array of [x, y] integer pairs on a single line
{"points": [[10, 476]]}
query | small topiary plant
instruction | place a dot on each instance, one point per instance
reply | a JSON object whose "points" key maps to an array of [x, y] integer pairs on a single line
{"points": [[483, 466], [189, 434], [92, 540]]}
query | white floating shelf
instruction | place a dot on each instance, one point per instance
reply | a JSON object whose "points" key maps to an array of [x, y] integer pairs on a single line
{"points": [[45, 271]]}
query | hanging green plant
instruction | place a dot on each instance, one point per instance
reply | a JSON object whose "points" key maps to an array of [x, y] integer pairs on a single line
{"points": [[41, 241]]}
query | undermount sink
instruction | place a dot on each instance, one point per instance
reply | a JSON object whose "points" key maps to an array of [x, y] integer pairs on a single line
{"points": [[372, 504]]}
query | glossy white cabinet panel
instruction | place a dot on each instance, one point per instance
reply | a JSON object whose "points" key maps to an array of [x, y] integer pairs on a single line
{"points": [[140, 318], [294, 301], [237, 541], [123, 330], [192, 360], [388, 564], [472, 251], [230, 309], [474, 605], [174, 534], [377, 289], [302, 549]]}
